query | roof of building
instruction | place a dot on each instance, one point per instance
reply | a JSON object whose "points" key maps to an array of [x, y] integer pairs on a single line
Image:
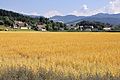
{"points": [[1, 21], [41, 26], [20, 23]]}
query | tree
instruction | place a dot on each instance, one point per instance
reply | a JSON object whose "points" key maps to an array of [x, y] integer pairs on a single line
{"points": [[1, 22], [8, 22], [117, 27]]}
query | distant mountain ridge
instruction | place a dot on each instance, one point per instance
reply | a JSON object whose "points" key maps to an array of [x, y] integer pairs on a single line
{"points": [[101, 17], [66, 19], [34, 16]]}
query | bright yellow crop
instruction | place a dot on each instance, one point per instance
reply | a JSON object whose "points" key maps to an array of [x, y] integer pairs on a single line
{"points": [[75, 53]]}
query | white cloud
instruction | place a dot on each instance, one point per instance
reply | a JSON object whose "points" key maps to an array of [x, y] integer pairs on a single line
{"points": [[52, 13], [25, 13], [85, 11], [113, 7], [34, 13], [77, 13], [85, 7], [31, 13], [81, 12]]}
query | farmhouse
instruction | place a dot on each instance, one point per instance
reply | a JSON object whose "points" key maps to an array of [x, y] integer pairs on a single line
{"points": [[61, 29], [71, 27], [21, 25], [41, 28], [86, 28], [81, 28], [107, 28], [76, 27]]}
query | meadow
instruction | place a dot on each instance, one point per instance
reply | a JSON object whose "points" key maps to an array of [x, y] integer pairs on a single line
{"points": [[59, 56]]}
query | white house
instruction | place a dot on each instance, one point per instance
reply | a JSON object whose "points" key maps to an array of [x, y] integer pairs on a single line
{"points": [[107, 28], [81, 28], [41, 27], [86, 28], [21, 25]]}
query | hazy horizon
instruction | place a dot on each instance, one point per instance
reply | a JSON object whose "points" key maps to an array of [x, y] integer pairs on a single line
{"points": [[61, 7]]}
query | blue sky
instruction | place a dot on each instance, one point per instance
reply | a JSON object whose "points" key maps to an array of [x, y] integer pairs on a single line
{"points": [[50, 8]]}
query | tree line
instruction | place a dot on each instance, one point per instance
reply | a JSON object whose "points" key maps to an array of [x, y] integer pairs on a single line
{"points": [[96, 24]]}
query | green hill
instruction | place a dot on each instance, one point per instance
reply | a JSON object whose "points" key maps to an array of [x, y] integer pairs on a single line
{"points": [[9, 18]]}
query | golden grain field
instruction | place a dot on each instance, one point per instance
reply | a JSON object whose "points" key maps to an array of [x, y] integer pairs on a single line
{"points": [[65, 52]]}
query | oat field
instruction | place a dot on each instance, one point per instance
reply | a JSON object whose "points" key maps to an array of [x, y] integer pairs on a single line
{"points": [[59, 56]]}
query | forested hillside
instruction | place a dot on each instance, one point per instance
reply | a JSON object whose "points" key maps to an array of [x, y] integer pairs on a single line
{"points": [[8, 18]]}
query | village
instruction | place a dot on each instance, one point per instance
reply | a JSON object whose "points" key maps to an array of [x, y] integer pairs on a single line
{"points": [[23, 26], [42, 27], [87, 28]]}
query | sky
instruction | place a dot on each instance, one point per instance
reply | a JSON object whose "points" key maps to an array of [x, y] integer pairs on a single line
{"points": [[49, 8]]}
